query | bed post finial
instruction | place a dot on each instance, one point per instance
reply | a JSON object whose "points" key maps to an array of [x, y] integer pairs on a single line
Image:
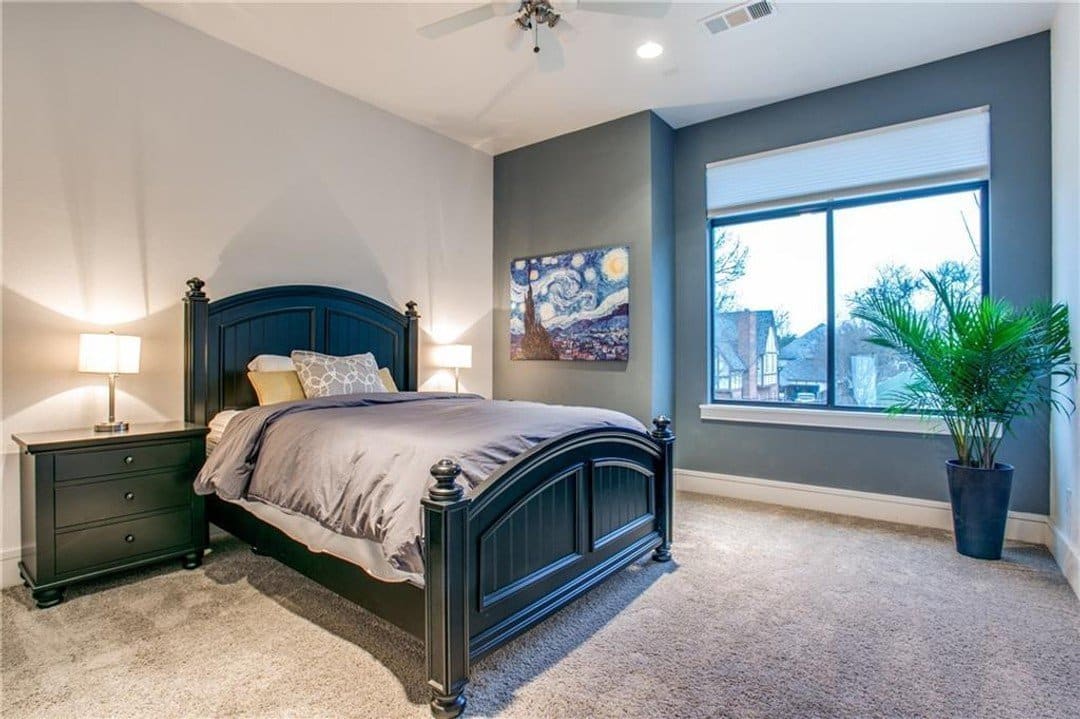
{"points": [[196, 319], [446, 472], [446, 536], [412, 348], [195, 286], [665, 440]]}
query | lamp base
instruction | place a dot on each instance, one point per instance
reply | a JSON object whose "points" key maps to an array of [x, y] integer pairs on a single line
{"points": [[111, 427]]}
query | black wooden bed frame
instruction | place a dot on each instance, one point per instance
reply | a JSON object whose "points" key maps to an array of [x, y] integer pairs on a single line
{"points": [[536, 535]]}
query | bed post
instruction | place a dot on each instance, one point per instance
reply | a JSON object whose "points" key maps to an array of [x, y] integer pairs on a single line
{"points": [[665, 439], [446, 522], [196, 318], [412, 378]]}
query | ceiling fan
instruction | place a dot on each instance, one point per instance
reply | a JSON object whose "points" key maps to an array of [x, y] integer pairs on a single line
{"points": [[530, 15]]}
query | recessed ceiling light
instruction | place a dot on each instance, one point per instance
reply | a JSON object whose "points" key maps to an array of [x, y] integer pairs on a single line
{"points": [[650, 50]]}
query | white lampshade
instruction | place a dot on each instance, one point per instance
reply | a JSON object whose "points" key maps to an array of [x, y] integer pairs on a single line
{"points": [[109, 353], [453, 356]]}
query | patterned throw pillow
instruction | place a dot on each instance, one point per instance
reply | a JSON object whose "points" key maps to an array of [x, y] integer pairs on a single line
{"points": [[325, 375]]}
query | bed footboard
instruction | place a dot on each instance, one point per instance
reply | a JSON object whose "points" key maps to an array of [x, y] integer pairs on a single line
{"points": [[535, 536]]}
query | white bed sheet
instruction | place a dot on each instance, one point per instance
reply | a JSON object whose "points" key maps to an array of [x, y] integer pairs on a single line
{"points": [[217, 427], [364, 553]]}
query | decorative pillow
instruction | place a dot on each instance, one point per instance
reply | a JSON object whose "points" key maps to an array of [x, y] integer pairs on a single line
{"points": [[274, 387], [271, 363], [387, 380], [325, 375]]}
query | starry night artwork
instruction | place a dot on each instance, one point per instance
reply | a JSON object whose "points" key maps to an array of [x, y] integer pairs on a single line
{"points": [[572, 306]]}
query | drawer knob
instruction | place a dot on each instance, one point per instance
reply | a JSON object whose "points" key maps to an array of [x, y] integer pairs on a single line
{"points": [[128, 459], [129, 496], [129, 538]]}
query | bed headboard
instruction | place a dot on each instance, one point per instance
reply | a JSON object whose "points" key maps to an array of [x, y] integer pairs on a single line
{"points": [[221, 337]]}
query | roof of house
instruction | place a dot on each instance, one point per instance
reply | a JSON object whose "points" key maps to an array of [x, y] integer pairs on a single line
{"points": [[727, 328], [731, 357], [805, 358]]}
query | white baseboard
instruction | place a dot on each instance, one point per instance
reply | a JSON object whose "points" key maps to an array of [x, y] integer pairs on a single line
{"points": [[9, 567], [1022, 526], [1067, 556]]}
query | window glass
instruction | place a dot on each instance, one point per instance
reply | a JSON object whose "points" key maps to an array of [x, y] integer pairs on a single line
{"points": [[883, 249], [769, 288]]}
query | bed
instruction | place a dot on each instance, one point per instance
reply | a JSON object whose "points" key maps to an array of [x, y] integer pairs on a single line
{"points": [[603, 495]]}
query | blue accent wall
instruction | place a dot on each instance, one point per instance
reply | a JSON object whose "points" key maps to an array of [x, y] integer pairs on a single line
{"points": [[635, 181], [1014, 80], [602, 186]]}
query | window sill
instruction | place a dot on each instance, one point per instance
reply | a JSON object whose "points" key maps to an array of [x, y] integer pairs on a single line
{"points": [[830, 418]]}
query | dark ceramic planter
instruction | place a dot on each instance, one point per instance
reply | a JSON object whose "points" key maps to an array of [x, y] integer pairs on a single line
{"points": [[980, 507]]}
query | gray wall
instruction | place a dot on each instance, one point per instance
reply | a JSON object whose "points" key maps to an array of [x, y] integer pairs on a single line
{"points": [[662, 147], [1014, 79], [605, 185]]}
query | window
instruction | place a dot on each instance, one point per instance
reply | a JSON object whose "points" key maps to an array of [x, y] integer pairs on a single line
{"points": [[798, 235], [786, 280]]}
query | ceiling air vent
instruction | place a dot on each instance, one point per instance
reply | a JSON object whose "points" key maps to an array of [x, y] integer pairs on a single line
{"points": [[737, 15]]}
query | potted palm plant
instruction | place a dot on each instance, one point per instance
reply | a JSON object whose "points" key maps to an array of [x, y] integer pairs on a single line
{"points": [[977, 364]]}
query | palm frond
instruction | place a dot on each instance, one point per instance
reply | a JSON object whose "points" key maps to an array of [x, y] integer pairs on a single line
{"points": [[980, 367]]}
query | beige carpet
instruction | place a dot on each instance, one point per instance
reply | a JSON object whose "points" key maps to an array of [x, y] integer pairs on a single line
{"points": [[766, 613]]}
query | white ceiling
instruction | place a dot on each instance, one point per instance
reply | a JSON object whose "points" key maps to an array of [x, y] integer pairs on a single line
{"points": [[484, 86]]}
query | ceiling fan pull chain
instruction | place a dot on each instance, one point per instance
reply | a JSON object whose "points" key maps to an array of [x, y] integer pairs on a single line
{"points": [[536, 37]]}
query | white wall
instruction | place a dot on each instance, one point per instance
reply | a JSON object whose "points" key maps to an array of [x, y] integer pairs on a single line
{"points": [[1065, 432], [139, 152]]}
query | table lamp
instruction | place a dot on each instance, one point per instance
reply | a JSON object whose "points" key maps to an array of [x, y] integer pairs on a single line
{"points": [[110, 354], [454, 357]]}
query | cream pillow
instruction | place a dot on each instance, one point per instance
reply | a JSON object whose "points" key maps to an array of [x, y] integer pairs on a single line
{"points": [[326, 376], [271, 363], [274, 387], [387, 380]]}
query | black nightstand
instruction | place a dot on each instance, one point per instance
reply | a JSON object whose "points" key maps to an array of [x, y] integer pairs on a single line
{"points": [[95, 503]]}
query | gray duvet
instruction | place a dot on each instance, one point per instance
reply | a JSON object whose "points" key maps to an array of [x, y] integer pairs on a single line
{"points": [[358, 464]]}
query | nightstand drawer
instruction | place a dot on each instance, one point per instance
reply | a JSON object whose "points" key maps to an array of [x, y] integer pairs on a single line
{"points": [[72, 465], [113, 542], [77, 503]]}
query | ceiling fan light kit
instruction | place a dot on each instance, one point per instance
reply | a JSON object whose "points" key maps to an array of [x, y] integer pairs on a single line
{"points": [[534, 13]]}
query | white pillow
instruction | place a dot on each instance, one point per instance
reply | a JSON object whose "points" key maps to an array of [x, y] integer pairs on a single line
{"points": [[325, 375], [271, 363], [217, 427]]}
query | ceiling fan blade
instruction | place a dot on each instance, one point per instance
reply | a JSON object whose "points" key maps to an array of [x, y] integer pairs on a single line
{"points": [[627, 7], [460, 21]]}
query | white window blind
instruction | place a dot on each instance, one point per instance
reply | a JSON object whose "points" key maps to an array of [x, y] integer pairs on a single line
{"points": [[933, 151]]}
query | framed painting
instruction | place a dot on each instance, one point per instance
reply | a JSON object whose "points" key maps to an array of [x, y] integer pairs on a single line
{"points": [[571, 306]]}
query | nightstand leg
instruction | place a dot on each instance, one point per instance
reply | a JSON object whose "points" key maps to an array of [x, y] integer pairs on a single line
{"points": [[192, 560], [45, 598]]}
